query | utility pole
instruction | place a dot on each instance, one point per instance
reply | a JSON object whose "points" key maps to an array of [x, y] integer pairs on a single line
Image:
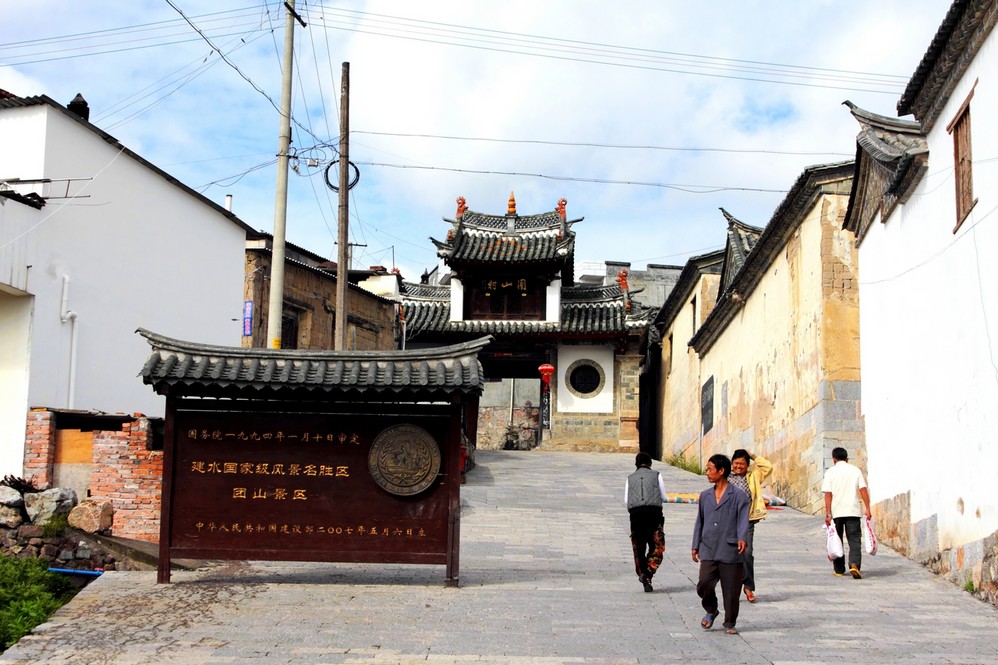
{"points": [[343, 255], [275, 308]]}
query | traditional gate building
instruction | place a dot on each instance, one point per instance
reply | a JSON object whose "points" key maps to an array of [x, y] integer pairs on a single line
{"points": [[512, 276]]}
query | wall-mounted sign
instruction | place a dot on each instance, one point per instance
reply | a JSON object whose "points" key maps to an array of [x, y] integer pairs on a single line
{"points": [[707, 405], [248, 318]]}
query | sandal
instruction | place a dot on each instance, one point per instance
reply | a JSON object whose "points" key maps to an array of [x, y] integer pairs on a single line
{"points": [[749, 595], [708, 621], [732, 631]]}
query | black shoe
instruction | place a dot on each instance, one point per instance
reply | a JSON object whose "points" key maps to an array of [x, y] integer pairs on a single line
{"points": [[646, 581]]}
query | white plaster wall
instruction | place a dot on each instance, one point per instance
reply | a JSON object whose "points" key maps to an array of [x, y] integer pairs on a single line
{"points": [[139, 252], [15, 320], [603, 401], [456, 299], [929, 333], [552, 300]]}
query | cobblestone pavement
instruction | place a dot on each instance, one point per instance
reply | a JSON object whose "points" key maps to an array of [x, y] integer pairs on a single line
{"points": [[546, 578]]}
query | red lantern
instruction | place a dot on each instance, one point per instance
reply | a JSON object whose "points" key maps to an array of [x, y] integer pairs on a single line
{"points": [[546, 371]]}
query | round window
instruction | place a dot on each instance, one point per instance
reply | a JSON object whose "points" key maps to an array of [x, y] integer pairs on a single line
{"points": [[585, 378]]}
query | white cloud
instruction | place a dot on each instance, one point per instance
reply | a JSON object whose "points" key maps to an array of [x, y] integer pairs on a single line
{"points": [[524, 72]]}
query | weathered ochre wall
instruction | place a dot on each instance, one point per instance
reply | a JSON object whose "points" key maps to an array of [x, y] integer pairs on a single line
{"points": [[786, 368], [679, 394]]}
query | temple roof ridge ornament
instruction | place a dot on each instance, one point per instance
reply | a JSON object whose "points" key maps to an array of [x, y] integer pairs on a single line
{"points": [[511, 206]]}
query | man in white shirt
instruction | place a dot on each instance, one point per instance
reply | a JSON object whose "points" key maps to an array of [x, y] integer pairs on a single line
{"points": [[843, 487], [644, 491]]}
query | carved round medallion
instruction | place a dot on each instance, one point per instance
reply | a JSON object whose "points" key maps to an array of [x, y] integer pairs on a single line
{"points": [[404, 460]]}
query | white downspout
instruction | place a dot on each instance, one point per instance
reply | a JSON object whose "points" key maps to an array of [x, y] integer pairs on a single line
{"points": [[70, 317]]}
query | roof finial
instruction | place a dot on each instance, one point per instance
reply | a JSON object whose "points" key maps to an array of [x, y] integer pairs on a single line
{"points": [[561, 207], [511, 207], [461, 207], [622, 281]]}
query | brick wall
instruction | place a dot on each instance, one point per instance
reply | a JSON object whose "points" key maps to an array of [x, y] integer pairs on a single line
{"points": [[125, 471], [129, 475], [39, 447]]}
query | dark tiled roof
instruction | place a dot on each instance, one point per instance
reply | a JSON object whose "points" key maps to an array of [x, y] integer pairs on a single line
{"points": [[433, 291], [741, 239], [205, 370], [891, 158], [478, 238], [584, 311], [480, 220], [473, 245], [961, 34]]}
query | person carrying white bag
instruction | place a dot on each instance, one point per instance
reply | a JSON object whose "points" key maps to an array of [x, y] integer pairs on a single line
{"points": [[843, 487]]}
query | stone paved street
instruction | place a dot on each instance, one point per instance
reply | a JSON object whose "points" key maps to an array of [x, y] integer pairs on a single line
{"points": [[546, 577]]}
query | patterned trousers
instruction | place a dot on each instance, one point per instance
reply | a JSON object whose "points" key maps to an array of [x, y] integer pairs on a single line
{"points": [[647, 541]]}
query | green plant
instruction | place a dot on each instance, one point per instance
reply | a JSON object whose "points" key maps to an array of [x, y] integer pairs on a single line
{"points": [[29, 594], [969, 586], [56, 525], [681, 461], [20, 484]]}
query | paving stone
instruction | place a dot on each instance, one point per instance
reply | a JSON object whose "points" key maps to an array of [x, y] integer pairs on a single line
{"points": [[547, 579]]}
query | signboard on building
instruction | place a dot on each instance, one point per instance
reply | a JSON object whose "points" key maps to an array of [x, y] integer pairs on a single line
{"points": [[248, 318], [308, 487], [707, 406]]}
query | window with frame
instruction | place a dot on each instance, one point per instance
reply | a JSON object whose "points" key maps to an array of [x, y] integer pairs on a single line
{"points": [[289, 329], [505, 298], [668, 356], [963, 160]]}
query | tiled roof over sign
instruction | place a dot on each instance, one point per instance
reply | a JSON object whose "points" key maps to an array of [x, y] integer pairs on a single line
{"points": [[186, 368]]}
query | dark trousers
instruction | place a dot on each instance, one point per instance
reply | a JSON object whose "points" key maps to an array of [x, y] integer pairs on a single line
{"points": [[854, 536], [730, 575], [647, 539], [749, 580]]}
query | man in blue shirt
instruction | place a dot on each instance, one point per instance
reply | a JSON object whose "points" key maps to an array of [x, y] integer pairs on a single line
{"points": [[720, 533]]}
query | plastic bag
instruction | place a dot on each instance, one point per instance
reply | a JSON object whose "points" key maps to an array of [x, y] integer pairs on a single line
{"points": [[833, 543], [869, 537]]}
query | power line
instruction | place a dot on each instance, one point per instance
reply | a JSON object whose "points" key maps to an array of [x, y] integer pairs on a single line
{"points": [[602, 145], [500, 41], [236, 68], [619, 56], [691, 189]]}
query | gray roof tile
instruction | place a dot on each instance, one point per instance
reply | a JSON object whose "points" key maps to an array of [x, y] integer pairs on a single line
{"points": [[584, 310], [207, 370]]}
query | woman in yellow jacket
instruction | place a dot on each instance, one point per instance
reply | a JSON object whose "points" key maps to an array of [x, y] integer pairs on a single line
{"points": [[749, 480]]}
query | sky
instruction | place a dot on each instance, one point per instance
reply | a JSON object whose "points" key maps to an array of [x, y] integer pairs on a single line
{"points": [[646, 115]]}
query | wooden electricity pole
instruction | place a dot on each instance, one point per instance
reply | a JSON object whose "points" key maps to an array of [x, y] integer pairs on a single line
{"points": [[343, 255], [275, 304]]}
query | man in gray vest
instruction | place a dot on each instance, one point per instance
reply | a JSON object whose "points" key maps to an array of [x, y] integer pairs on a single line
{"points": [[644, 491]]}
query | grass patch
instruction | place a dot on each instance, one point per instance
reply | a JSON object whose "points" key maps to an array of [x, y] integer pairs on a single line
{"points": [[682, 461], [56, 526], [29, 594], [969, 586]]}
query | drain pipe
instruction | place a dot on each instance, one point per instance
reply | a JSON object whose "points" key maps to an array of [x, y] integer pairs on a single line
{"points": [[70, 317], [76, 571]]}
